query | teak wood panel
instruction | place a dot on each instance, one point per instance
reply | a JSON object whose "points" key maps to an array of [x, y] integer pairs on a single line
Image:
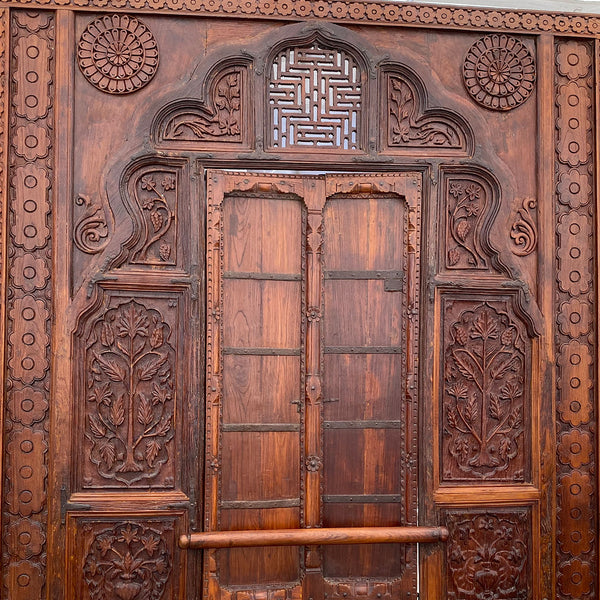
{"points": [[286, 350]]}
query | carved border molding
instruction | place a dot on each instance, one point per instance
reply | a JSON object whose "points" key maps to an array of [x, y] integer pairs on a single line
{"points": [[29, 305], [364, 11], [575, 295]]}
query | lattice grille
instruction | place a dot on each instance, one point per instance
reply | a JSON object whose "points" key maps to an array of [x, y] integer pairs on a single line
{"points": [[315, 98]]}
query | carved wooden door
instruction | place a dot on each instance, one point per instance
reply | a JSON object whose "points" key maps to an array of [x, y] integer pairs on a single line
{"points": [[302, 273]]}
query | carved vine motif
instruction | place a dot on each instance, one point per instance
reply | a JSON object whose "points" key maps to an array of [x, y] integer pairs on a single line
{"points": [[499, 72], [484, 390], [117, 54], [408, 127], [466, 202], [130, 393], [128, 561], [524, 231], [156, 196], [488, 556], [90, 233], [220, 121]]}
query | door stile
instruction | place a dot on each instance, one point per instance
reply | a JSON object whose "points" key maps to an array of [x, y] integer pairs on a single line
{"points": [[313, 402]]}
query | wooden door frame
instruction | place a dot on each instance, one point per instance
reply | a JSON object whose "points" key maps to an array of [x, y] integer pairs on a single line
{"points": [[549, 31]]}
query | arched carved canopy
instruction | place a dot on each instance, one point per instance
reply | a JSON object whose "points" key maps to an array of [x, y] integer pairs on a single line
{"points": [[312, 89]]}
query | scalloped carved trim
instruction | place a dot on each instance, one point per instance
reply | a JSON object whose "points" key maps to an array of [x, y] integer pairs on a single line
{"points": [[391, 13]]}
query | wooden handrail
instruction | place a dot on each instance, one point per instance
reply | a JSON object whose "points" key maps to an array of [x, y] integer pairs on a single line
{"points": [[316, 536]]}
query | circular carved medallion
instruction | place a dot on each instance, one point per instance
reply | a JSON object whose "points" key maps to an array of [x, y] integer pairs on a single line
{"points": [[499, 72], [117, 54]]}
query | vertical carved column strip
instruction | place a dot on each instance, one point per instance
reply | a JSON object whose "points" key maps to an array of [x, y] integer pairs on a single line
{"points": [[4, 58], [576, 331], [28, 305]]}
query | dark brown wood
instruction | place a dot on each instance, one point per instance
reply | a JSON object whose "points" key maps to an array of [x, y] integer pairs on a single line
{"points": [[299, 266], [320, 536]]}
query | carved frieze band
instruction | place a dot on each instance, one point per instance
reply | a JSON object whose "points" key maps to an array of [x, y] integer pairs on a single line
{"points": [[29, 306], [485, 395], [575, 336], [489, 554], [362, 10]]}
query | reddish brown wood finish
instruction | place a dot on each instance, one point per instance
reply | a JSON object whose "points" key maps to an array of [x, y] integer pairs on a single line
{"points": [[300, 266]]}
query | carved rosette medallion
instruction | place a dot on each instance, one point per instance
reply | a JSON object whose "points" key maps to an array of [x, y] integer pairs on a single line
{"points": [[487, 555], [117, 54], [128, 561], [130, 393], [499, 72]]}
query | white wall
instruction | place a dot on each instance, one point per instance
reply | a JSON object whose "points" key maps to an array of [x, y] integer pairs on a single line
{"points": [[572, 6]]}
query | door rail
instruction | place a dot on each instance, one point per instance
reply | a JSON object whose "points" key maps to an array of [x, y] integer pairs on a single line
{"points": [[316, 536]]}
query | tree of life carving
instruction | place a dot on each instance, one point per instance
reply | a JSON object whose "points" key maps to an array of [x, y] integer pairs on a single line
{"points": [[130, 393], [483, 394]]}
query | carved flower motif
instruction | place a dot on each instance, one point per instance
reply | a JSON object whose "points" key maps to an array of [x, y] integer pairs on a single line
{"points": [[575, 578], [117, 54], [284, 8], [574, 318], [26, 538], [495, 19], [30, 273], [574, 189], [575, 483], [575, 448], [27, 406], [576, 540], [168, 182], [408, 14], [573, 60], [390, 13], [313, 463], [31, 141]]}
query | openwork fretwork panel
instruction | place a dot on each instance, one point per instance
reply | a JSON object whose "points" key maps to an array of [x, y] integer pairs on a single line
{"points": [[315, 98]]}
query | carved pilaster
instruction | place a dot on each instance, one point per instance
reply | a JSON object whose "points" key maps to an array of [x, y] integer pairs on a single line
{"points": [[29, 306]]}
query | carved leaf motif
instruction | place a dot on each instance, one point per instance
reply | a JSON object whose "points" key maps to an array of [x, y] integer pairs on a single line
{"points": [[96, 426], [152, 450], [107, 335], [163, 428], [101, 394], [114, 371], [495, 409], [462, 229], [117, 411], [150, 369], [145, 414], [164, 251], [108, 454]]}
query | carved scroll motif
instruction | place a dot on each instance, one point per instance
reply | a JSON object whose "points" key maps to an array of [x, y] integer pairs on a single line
{"points": [[91, 232], [29, 305], [219, 120], [488, 555], [575, 296], [411, 127], [130, 561], [130, 394], [524, 230], [485, 392]]}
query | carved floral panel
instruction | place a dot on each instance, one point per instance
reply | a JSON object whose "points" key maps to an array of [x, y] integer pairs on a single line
{"points": [[489, 554], [130, 395], [485, 395], [468, 206]]}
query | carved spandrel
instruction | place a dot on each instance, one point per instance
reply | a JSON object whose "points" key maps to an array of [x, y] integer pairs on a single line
{"points": [[130, 395], [219, 119], [489, 554], [412, 125], [485, 406]]}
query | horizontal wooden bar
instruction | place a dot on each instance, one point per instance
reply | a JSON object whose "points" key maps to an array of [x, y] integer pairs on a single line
{"points": [[263, 276], [317, 536], [255, 504], [346, 275], [362, 350], [364, 425], [260, 427], [262, 351]]}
